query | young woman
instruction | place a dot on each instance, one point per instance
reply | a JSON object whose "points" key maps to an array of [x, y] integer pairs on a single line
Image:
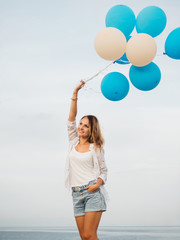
{"points": [[86, 171]]}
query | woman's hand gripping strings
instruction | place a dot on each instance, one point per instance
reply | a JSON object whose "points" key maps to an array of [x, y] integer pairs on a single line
{"points": [[78, 87]]}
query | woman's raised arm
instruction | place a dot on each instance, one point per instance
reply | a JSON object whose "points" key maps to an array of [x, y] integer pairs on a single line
{"points": [[73, 107]]}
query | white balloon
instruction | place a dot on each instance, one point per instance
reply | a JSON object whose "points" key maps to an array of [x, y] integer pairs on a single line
{"points": [[110, 43], [141, 49]]}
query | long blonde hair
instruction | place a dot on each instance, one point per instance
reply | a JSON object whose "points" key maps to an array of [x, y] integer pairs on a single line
{"points": [[95, 132]]}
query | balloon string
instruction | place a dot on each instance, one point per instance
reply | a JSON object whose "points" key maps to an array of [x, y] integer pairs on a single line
{"points": [[89, 79], [99, 72], [105, 69]]}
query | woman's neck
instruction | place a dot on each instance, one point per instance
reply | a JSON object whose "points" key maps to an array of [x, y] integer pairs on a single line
{"points": [[83, 141]]}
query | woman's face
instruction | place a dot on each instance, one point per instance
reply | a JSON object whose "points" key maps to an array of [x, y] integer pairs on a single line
{"points": [[84, 128]]}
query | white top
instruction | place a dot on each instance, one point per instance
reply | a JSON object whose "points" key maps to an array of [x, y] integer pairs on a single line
{"points": [[81, 168]]}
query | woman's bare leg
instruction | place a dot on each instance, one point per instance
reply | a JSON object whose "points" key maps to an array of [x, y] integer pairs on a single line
{"points": [[91, 222], [80, 225]]}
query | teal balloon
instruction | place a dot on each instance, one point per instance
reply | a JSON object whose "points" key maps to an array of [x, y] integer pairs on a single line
{"points": [[121, 17], [115, 86], [145, 78], [123, 59], [151, 20], [172, 44]]}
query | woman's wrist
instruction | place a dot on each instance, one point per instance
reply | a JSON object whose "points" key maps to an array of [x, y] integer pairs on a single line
{"points": [[98, 185], [99, 182], [74, 96], [74, 99]]}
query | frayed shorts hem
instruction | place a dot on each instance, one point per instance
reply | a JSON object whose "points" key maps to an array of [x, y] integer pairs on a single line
{"points": [[88, 210]]}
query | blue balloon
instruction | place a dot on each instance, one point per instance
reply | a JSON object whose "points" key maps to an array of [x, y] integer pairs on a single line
{"points": [[151, 20], [115, 86], [123, 59], [172, 44], [121, 17], [145, 78]]}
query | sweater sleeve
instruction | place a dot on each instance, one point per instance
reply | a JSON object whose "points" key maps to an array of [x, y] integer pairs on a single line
{"points": [[72, 131], [102, 165]]}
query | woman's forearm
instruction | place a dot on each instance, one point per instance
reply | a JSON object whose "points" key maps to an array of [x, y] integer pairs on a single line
{"points": [[73, 107], [99, 182]]}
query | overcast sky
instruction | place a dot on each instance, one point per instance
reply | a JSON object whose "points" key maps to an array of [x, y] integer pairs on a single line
{"points": [[46, 48]]}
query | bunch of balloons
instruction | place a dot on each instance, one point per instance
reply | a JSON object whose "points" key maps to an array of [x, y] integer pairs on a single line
{"points": [[116, 44]]}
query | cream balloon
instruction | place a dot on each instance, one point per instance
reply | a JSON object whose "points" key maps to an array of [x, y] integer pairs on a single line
{"points": [[141, 49], [110, 43]]}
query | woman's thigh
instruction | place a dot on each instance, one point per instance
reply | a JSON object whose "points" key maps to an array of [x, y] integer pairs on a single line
{"points": [[91, 221]]}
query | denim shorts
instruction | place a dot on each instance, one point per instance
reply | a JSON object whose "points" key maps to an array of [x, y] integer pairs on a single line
{"points": [[84, 201]]}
